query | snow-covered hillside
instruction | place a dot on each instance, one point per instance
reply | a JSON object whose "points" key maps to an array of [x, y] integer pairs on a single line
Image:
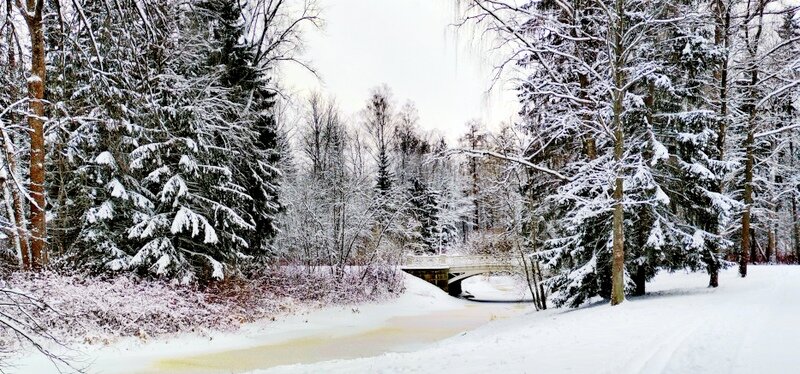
{"points": [[745, 326]]}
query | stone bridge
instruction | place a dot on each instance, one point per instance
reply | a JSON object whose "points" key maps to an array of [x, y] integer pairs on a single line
{"points": [[448, 271]]}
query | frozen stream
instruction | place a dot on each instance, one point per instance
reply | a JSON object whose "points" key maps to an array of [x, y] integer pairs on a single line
{"points": [[363, 335], [422, 317]]}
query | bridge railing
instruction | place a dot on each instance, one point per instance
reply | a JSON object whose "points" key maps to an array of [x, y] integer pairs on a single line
{"points": [[459, 261]]}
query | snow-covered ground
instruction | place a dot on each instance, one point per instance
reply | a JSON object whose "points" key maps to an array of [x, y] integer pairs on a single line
{"points": [[747, 325], [505, 288], [422, 315]]}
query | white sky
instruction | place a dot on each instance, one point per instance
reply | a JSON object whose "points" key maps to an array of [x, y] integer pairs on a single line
{"points": [[409, 45]]}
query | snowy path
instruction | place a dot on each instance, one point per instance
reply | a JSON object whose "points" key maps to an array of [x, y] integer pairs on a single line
{"points": [[745, 326]]}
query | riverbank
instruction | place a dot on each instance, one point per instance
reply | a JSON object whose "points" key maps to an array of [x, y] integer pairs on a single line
{"points": [[84, 319], [418, 317]]}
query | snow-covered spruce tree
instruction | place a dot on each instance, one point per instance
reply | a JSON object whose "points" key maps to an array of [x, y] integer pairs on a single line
{"points": [[107, 119], [591, 236], [425, 211], [94, 193], [411, 188], [256, 157], [412, 151], [684, 119], [590, 64], [165, 144], [188, 232], [564, 111]]}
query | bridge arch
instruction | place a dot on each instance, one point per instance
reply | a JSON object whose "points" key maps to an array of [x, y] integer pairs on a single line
{"points": [[454, 283], [460, 277]]}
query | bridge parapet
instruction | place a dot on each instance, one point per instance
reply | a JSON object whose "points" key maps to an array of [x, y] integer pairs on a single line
{"points": [[459, 264], [460, 261]]}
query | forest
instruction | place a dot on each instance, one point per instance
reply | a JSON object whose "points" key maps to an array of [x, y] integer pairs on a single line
{"points": [[153, 159]]}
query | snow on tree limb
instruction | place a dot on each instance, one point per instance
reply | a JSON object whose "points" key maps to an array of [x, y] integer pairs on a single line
{"points": [[519, 160]]}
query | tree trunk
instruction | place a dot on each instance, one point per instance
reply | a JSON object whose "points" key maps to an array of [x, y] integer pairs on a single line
{"points": [[722, 24], [712, 266], [23, 249], [770, 245], [538, 277], [618, 253], [618, 96], [589, 144], [744, 256], [534, 275], [749, 145], [796, 216], [713, 272], [10, 38], [795, 212], [474, 173], [12, 231], [722, 19], [640, 280], [755, 247], [36, 87], [12, 192], [529, 277]]}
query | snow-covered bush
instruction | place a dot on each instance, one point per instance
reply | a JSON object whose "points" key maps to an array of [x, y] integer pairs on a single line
{"points": [[99, 310]]}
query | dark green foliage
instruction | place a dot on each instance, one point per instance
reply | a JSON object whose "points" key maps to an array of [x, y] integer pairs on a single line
{"points": [[256, 163], [167, 162], [425, 209]]}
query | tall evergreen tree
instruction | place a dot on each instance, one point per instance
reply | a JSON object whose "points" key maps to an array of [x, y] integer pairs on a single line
{"points": [[591, 105], [255, 167], [380, 124]]}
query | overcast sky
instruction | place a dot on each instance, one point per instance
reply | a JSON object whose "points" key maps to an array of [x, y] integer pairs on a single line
{"points": [[409, 45]]}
